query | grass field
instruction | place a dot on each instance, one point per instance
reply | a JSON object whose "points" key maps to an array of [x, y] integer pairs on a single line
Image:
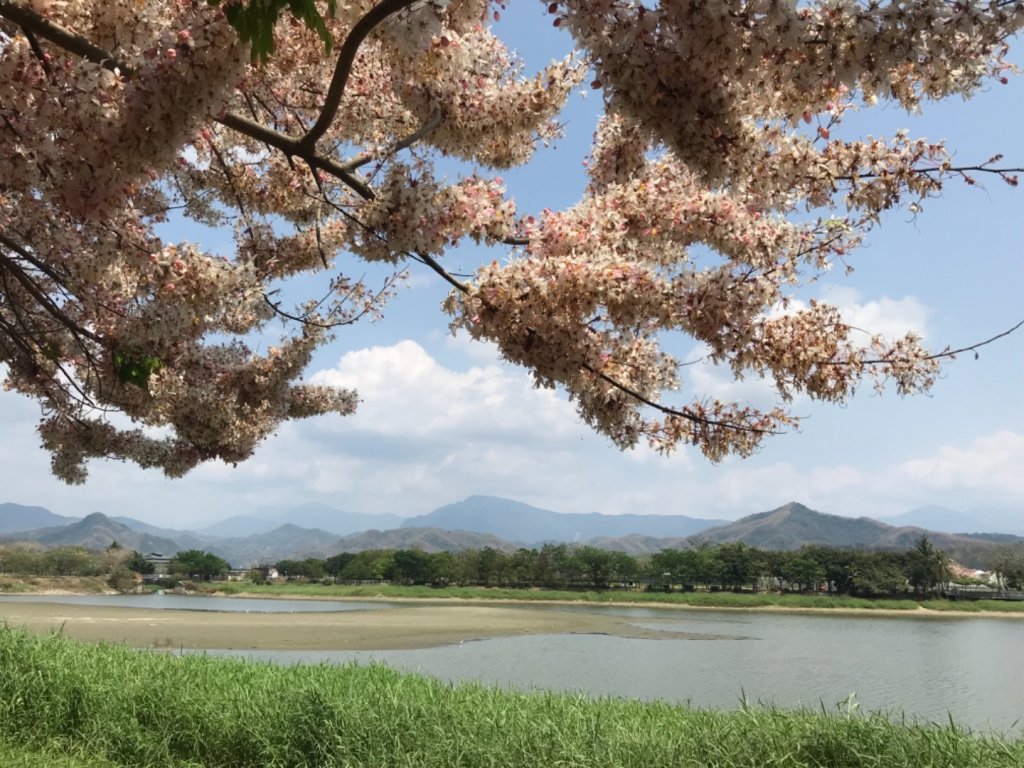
{"points": [[697, 599], [69, 705]]}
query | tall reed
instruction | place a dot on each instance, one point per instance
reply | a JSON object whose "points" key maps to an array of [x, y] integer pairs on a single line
{"points": [[121, 707]]}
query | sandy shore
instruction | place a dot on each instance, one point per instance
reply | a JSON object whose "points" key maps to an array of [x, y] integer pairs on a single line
{"points": [[920, 612], [418, 626]]}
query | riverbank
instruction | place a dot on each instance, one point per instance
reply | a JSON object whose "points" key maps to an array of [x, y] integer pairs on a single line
{"points": [[790, 603], [110, 706], [55, 585], [831, 604]]}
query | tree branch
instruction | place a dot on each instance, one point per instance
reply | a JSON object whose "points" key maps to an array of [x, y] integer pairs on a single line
{"points": [[368, 157], [30, 20], [80, 46], [376, 15], [291, 147], [11, 266]]}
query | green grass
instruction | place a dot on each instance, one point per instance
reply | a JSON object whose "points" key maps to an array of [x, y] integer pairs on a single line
{"points": [[698, 599], [69, 704], [20, 756]]}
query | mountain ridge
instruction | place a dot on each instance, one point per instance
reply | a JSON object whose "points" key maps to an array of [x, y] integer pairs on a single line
{"points": [[788, 527], [516, 521]]}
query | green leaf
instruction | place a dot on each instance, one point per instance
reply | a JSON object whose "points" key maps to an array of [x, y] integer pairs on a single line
{"points": [[254, 21], [134, 366]]}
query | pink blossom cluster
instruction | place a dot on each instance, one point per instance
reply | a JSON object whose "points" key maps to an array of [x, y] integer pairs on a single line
{"points": [[719, 183]]}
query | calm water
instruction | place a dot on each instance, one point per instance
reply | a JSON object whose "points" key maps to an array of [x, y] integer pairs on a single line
{"points": [[202, 603], [933, 669]]}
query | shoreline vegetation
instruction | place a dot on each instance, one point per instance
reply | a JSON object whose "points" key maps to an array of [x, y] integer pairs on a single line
{"points": [[686, 600], [713, 600], [70, 704]]}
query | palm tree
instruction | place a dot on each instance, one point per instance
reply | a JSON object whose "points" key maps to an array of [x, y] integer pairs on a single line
{"points": [[927, 566]]}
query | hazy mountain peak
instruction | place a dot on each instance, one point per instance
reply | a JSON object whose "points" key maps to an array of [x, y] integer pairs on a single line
{"points": [[18, 517], [519, 522]]}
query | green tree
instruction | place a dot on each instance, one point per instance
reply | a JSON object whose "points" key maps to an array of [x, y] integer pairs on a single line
{"points": [[444, 568], [802, 571], [595, 565], [138, 564], [411, 566], [522, 567], [741, 564], [706, 564], [927, 566], [335, 565], [1008, 566], [70, 561], [21, 561], [195, 563]]}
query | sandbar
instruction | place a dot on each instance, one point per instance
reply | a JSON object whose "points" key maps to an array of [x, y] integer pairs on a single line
{"points": [[400, 627]]}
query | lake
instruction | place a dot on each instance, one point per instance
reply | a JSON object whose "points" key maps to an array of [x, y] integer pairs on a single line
{"points": [[967, 669]]}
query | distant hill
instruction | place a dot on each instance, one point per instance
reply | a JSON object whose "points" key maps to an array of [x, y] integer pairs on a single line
{"points": [[238, 526], [321, 516], [182, 539], [425, 539], [97, 531], [982, 520], [286, 542], [793, 526], [15, 518], [515, 521], [640, 545]]}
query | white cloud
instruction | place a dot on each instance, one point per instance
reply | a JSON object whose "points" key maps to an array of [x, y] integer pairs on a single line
{"points": [[990, 464], [406, 393], [890, 317], [428, 434]]}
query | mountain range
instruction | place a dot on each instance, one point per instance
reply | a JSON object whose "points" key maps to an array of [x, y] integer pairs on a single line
{"points": [[481, 521]]}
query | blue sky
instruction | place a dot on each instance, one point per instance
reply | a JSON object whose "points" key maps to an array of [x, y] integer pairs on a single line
{"points": [[443, 418]]}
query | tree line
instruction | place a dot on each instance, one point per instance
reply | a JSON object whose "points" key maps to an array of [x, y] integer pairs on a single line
{"points": [[923, 569], [114, 561]]}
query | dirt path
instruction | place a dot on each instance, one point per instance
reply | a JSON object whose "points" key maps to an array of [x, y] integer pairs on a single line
{"points": [[377, 629]]}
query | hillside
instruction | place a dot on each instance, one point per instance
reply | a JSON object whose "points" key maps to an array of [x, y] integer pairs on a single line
{"points": [[793, 526], [97, 531], [286, 542], [15, 518], [515, 521]]}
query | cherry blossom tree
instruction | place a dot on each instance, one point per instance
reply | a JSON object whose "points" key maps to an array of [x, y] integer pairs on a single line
{"points": [[718, 185]]}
